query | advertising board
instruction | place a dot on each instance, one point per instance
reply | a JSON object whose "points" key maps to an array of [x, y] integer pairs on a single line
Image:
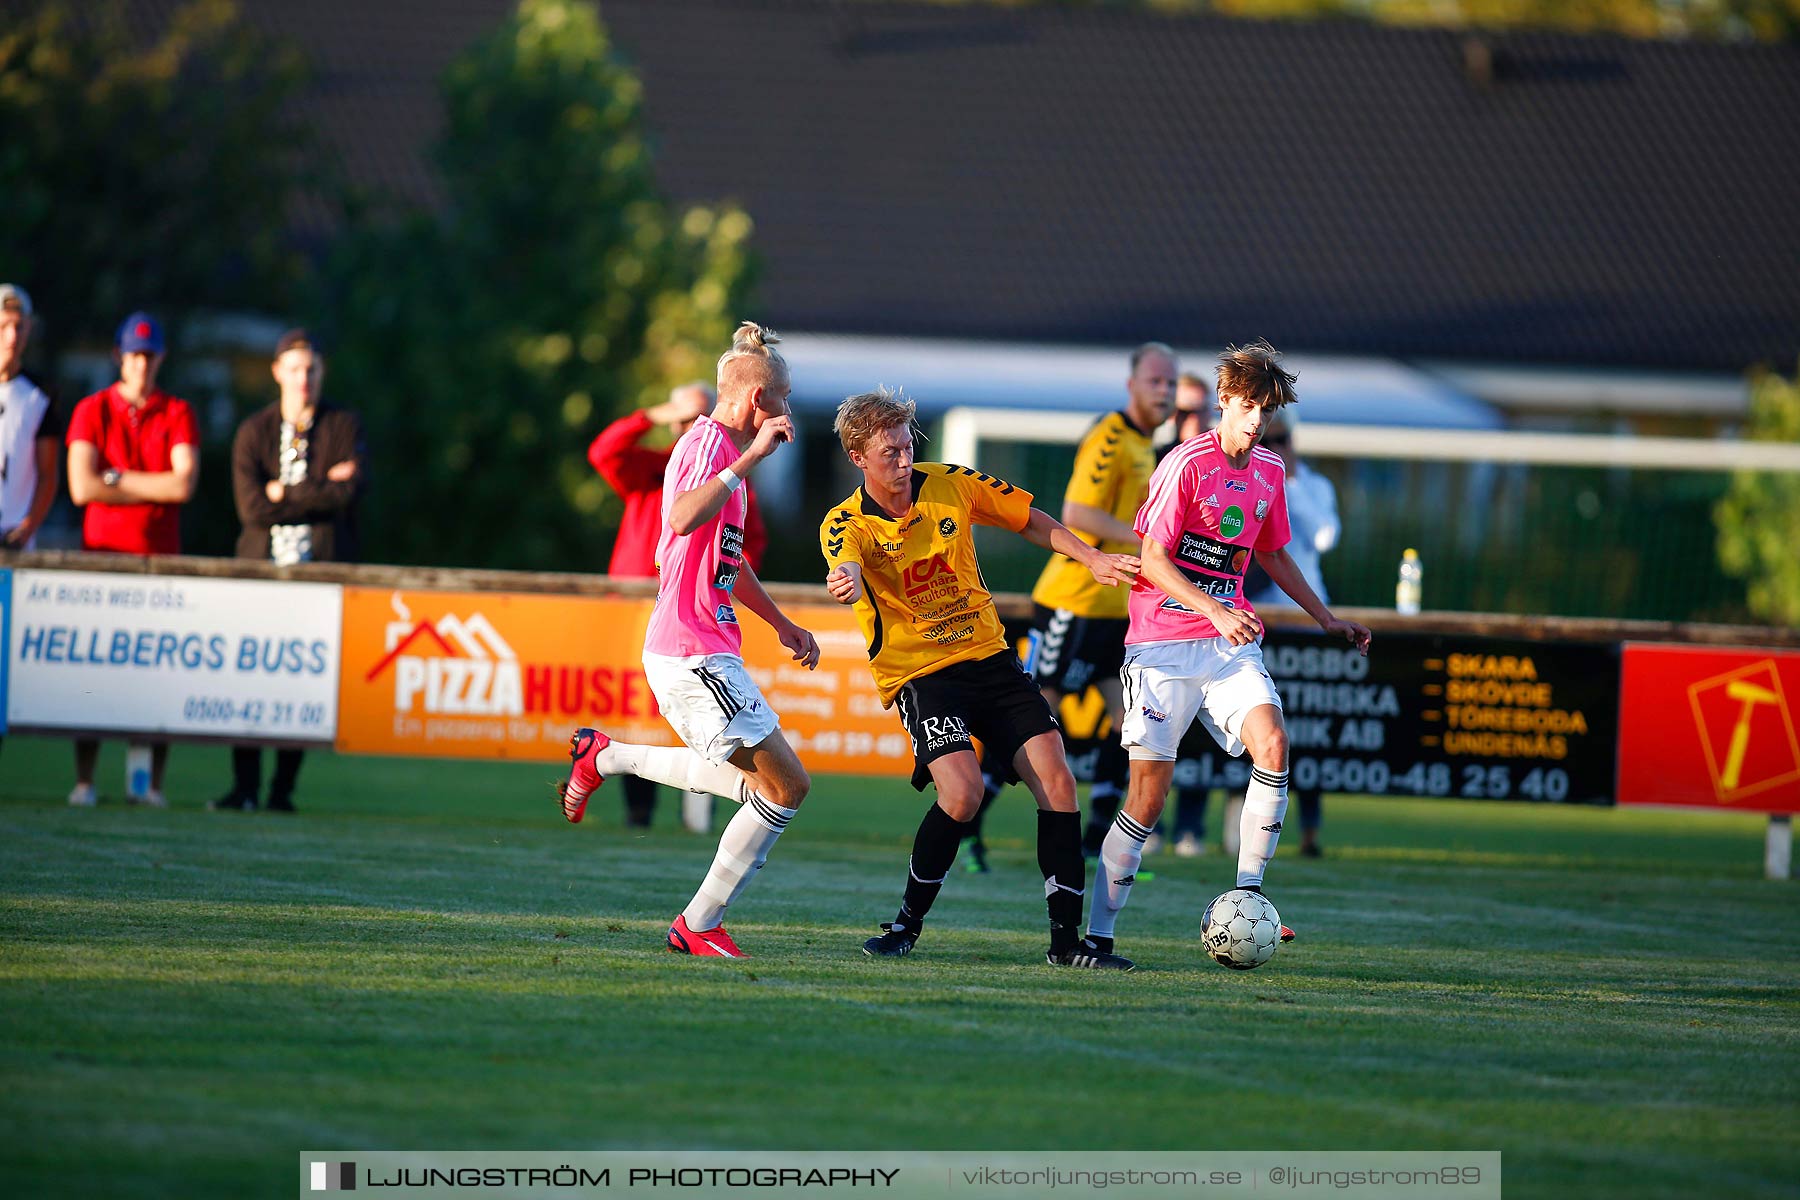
{"points": [[1710, 728], [177, 655], [506, 675]]}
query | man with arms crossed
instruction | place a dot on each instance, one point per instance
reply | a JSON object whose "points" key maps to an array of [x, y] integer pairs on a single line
{"points": [[1193, 648], [692, 648], [134, 460], [901, 550]]}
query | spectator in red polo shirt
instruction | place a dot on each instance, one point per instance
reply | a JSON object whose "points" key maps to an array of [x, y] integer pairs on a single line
{"points": [[133, 462], [635, 472]]}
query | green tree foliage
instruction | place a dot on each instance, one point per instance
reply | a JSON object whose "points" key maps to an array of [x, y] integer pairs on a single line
{"points": [[1768, 20], [1737, 20], [554, 288], [1759, 518], [145, 173]]}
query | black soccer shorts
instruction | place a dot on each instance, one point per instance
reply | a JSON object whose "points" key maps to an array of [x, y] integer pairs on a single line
{"points": [[991, 699], [1067, 652]]}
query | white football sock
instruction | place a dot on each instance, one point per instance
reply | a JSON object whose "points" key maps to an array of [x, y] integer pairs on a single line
{"points": [[743, 848], [676, 766], [1120, 855], [1259, 826]]}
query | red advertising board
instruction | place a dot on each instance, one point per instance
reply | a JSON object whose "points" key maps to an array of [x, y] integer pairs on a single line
{"points": [[1712, 728]]}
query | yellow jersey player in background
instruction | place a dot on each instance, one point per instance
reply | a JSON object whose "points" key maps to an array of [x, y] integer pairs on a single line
{"points": [[901, 549], [1077, 637]]}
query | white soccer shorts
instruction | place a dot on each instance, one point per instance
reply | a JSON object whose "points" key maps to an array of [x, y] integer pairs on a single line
{"points": [[712, 702], [1169, 684]]}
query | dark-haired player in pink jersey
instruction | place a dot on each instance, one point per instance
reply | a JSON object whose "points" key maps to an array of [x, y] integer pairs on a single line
{"points": [[1193, 648], [692, 647]]}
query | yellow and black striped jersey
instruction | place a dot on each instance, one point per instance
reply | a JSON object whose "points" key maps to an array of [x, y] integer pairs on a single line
{"points": [[1112, 471], [925, 604]]}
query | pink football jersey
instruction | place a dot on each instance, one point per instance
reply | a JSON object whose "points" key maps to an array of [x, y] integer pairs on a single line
{"points": [[1209, 517], [693, 614]]}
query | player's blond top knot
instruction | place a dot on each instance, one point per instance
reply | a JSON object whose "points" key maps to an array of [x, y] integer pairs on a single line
{"points": [[752, 341], [1255, 372], [752, 360]]}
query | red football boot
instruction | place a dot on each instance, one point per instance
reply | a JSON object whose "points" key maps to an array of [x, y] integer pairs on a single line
{"points": [[584, 777], [707, 943]]}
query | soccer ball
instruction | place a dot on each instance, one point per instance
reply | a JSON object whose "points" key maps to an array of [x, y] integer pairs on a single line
{"points": [[1240, 930]]}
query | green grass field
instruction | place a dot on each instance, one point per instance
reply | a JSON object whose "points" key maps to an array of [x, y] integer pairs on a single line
{"points": [[427, 957]]}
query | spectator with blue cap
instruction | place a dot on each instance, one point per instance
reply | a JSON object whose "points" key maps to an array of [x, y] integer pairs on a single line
{"points": [[134, 459]]}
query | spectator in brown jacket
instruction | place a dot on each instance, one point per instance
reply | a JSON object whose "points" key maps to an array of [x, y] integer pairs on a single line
{"points": [[298, 468]]}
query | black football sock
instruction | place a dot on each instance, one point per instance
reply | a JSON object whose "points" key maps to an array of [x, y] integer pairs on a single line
{"points": [[934, 849], [1065, 875], [1112, 772]]}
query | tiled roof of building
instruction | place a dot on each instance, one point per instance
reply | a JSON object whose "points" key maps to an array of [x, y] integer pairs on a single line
{"points": [[1048, 173]]}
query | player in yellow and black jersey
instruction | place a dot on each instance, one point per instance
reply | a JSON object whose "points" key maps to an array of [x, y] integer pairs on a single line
{"points": [[901, 550], [927, 604], [1077, 636]]}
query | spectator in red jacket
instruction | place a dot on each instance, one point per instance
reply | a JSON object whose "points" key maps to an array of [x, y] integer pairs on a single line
{"points": [[635, 471]]}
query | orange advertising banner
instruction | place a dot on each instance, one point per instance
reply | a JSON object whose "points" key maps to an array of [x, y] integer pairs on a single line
{"points": [[511, 675], [1709, 728]]}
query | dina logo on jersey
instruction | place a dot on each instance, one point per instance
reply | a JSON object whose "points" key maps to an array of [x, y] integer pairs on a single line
{"points": [[947, 527], [1231, 522]]}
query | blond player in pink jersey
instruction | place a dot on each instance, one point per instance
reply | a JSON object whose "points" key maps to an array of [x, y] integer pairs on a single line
{"points": [[1193, 647], [692, 647]]}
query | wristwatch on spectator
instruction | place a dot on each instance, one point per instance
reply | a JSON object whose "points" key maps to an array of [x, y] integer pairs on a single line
{"points": [[111, 476]]}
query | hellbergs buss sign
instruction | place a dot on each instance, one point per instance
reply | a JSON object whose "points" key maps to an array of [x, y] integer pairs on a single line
{"points": [[229, 658]]}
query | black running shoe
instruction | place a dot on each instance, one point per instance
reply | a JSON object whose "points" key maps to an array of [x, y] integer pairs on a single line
{"points": [[895, 940], [233, 802], [1086, 954]]}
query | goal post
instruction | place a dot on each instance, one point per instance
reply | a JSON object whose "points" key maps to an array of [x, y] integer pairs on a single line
{"points": [[1505, 520], [965, 428]]}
